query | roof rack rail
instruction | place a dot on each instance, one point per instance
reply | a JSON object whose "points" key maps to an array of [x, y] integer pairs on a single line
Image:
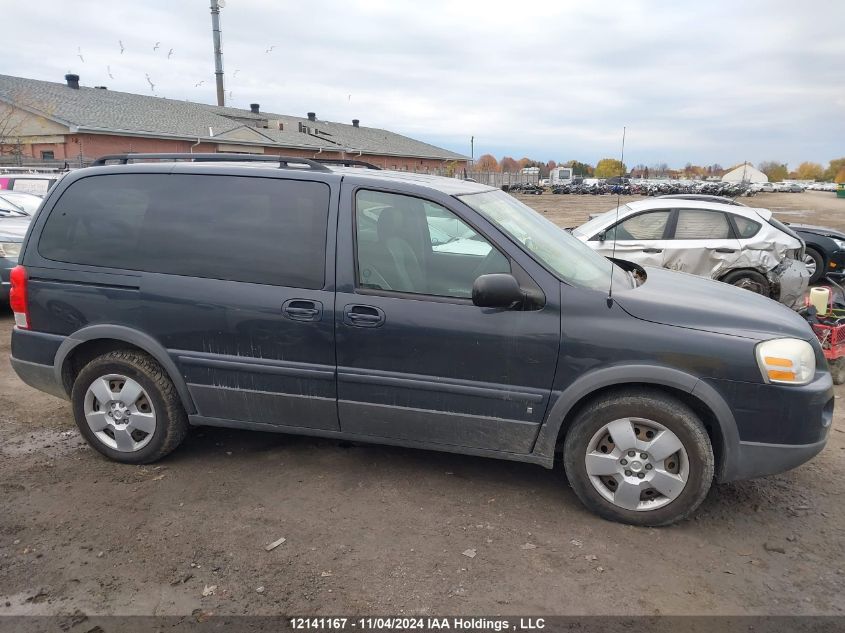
{"points": [[346, 163], [284, 162]]}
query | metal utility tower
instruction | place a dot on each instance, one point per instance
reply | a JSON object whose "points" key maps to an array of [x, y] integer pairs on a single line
{"points": [[216, 5]]}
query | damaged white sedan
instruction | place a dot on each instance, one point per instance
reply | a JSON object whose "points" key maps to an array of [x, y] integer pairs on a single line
{"points": [[743, 246]]}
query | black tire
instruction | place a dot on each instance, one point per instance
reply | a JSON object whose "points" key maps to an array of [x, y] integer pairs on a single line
{"points": [[749, 280], [820, 265], [663, 409], [171, 419], [837, 370]]}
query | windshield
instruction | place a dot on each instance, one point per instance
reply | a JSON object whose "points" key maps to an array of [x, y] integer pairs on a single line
{"points": [[10, 209], [595, 225], [25, 202], [569, 258]]}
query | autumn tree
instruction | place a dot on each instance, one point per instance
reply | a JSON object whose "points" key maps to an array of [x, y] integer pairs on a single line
{"points": [[486, 162], [833, 170], [610, 167], [840, 176], [508, 164], [776, 171], [809, 171], [551, 165]]}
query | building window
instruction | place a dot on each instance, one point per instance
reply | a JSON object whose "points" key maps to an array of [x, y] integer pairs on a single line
{"points": [[47, 155]]}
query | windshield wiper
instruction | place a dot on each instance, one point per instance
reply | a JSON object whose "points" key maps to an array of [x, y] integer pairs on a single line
{"points": [[16, 209]]}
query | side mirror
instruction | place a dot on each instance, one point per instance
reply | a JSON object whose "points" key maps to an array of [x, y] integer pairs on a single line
{"points": [[602, 236], [496, 290]]}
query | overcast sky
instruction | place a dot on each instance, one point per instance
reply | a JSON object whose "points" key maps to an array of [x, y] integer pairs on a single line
{"points": [[705, 81]]}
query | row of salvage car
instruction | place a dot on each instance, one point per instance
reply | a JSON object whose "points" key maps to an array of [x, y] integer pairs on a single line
{"points": [[721, 239]]}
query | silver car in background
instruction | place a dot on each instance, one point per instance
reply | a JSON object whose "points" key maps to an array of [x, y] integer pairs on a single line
{"points": [[743, 246]]}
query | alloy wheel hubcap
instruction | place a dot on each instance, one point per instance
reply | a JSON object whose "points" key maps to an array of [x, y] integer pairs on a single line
{"points": [[120, 413], [810, 263], [637, 464]]}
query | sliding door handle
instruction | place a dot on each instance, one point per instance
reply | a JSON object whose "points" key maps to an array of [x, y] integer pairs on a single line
{"points": [[302, 310], [358, 315]]}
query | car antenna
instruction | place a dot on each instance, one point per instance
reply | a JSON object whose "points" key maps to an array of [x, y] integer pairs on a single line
{"points": [[616, 221]]}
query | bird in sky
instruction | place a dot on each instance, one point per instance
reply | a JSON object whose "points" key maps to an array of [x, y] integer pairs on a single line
{"points": [[197, 85], [108, 69], [270, 50], [150, 81], [155, 48], [121, 46], [79, 54], [169, 53]]}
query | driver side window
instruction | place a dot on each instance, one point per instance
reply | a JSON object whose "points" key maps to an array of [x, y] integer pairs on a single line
{"points": [[410, 245]]}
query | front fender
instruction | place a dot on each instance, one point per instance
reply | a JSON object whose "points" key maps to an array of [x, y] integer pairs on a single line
{"points": [[621, 375]]}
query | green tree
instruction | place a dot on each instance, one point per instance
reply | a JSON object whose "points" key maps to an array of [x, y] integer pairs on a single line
{"points": [[579, 168], [776, 171], [809, 171], [610, 167]]}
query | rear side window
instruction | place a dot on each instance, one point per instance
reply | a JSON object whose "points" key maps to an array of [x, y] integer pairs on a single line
{"points": [[745, 228], [695, 224], [257, 230], [646, 226]]}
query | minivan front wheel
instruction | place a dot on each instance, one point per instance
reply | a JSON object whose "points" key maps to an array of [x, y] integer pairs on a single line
{"points": [[642, 458], [127, 408]]}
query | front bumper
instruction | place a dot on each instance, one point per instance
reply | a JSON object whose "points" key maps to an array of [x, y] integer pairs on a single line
{"points": [[759, 459], [779, 426]]}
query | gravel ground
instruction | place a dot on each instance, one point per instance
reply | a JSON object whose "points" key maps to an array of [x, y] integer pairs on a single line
{"points": [[384, 530]]}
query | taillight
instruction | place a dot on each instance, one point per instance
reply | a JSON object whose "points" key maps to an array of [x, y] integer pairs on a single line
{"points": [[18, 297]]}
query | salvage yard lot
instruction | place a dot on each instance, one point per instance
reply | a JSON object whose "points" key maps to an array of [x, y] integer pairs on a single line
{"points": [[375, 529]]}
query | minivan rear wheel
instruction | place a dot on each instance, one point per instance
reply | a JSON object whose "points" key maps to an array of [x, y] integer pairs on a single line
{"points": [[127, 408], [641, 458]]}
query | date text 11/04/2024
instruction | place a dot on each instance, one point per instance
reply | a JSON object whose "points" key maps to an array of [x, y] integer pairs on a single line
{"points": [[415, 623]]}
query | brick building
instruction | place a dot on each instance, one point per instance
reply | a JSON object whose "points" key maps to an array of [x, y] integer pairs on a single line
{"points": [[48, 121]]}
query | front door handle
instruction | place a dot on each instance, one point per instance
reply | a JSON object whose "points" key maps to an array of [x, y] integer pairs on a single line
{"points": [[725, 250], [358, 315], [302, 310], [652, 250]]}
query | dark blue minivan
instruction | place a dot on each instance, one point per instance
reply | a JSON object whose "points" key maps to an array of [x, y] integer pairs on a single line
{"points": [[284, 294]]}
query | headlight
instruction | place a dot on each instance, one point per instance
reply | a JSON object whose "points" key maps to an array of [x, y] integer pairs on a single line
{"points": [[786, 361], [840, 244], [10, 249]]}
